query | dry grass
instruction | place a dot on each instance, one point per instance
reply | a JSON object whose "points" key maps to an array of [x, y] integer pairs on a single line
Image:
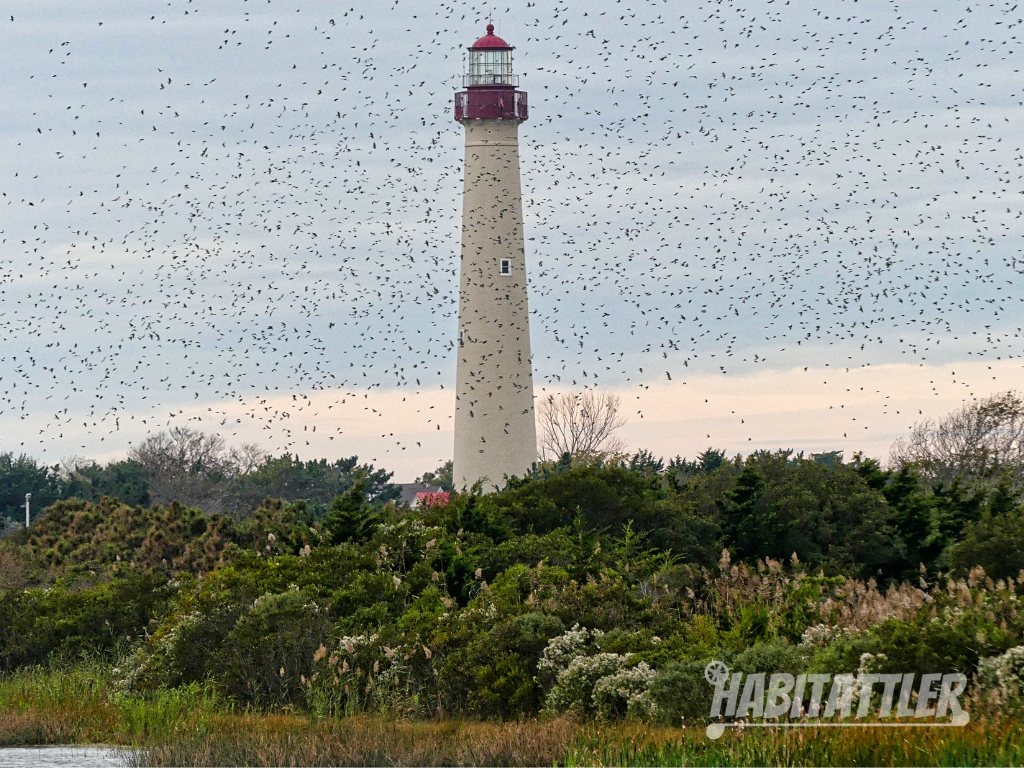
{"points": [[991, 743], [189, 726], [297, 741], [360, 740]]}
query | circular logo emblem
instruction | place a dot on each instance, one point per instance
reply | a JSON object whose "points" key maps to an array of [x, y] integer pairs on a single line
{"points": [[716, 672]]}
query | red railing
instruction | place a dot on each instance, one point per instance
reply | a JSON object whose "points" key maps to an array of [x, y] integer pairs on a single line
{"points": [[491, 104]]}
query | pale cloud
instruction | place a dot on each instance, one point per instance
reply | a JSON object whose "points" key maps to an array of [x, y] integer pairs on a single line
{"points": [[812, 410]]}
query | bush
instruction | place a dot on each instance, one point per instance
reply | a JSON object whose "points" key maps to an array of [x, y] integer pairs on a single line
{"points": [[561, 651], [626, 692], [993, 543], [1001, 679], [58, 621], [769, 657], [490, 671], [679, 691], [574, 687], [269, 651], [365, 674], [928, 644], [607, 497]]}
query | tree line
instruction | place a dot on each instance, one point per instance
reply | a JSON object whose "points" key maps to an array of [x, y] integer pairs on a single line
{"points": [[193, 469], [599, 583]]}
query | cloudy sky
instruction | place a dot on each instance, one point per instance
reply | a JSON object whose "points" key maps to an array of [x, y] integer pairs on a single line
{"points": [[763, 224]]}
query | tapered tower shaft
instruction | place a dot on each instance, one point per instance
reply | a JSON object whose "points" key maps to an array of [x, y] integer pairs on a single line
{"points": [[495, 430]]}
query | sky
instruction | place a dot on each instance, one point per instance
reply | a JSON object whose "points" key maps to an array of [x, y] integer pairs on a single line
{"points": [[762, 224]]}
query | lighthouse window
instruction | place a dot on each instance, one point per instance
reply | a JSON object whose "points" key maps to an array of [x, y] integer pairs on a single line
{"points": [[490, 67], [506, 266]]}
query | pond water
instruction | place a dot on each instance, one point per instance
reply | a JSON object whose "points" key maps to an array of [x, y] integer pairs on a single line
{"points": [[62, 757]]}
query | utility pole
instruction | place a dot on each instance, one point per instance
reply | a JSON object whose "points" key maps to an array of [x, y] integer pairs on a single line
{"points": [[28, 500]]}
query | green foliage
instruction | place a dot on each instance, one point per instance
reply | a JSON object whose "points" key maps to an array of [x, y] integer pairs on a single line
{"points": [[469, 512], [680, 692], [913, 513], [927, 644], [955, 505], [20, 475], [80, 537], [826, 514], [125, 480], [269, 650], [441, 477], [352, 517], [994, 541], [606, 497], [42, 623], [770, 656], [461, 609], [316, 482]]}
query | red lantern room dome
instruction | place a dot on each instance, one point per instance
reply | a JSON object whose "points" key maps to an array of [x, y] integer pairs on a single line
{"points": [[490, 40]]}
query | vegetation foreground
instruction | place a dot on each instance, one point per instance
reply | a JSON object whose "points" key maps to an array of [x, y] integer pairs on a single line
{"points": [[294, 613], [194, 726]]}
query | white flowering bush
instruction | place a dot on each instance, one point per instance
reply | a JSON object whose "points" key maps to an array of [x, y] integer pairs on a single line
{"points": [[819, 635], [1002, 677], [1010, 671], [988, 673], [626, 692], [574, 688], [871, 662], [561, 651]]}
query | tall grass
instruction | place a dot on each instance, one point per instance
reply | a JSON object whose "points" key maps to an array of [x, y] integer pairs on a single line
{"points": [[78, 704], [364, 740], [994, 743]]}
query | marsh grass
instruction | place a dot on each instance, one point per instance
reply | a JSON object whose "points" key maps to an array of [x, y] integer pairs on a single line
{"points": [[363, 740], [992, 743], [78, 704]]}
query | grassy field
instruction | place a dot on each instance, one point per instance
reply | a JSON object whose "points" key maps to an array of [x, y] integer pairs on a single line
{"points": [[192, 726]]}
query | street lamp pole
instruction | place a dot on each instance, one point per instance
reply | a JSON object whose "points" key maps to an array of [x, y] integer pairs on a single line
{"points": [[28, 499]]}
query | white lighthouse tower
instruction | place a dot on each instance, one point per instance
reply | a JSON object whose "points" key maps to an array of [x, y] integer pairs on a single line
{"points": [[495, 431]]}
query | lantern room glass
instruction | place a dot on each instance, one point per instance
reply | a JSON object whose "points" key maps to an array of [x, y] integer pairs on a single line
{"points": [[490, 66]]}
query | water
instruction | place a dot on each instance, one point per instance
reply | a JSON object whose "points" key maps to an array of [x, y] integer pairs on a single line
{"points": [[62, 757]]}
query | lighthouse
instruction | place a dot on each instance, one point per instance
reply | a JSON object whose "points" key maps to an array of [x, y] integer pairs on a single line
{"points": [[495, 431]]}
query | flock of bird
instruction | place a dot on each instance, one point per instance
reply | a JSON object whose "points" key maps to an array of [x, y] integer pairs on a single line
{"points": [[228, 212]]}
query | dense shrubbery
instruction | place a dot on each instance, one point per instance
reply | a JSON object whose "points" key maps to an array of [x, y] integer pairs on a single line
{"points": [[597, 590], [38, 624]]}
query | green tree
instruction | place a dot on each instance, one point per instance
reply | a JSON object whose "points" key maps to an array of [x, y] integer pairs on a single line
{"points": [[124, 480], [316, 482], [913, 512], [826, 514], [994, 541], [606, 497], [955, 505], [442, 476], [352, 516], [20, 475]]}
